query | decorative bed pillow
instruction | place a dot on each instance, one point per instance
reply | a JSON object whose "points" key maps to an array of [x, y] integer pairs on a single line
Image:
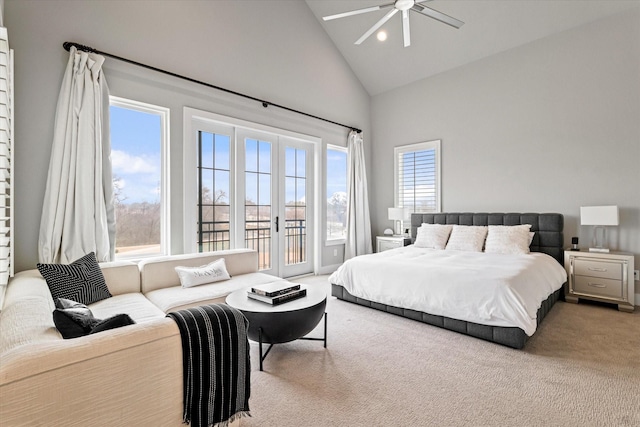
{"points": [[433, 236], [508, 239], [210, 273], [81, 281], [467, 238], [73, 319]]}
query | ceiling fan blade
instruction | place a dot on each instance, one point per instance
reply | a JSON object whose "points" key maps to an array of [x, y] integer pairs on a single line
{"points": [[438, 16], [377, 25], [357, 12], [405, 28]]}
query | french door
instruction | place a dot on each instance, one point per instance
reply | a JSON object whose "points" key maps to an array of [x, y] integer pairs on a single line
{"points": [[248, 185], [274, 181]]}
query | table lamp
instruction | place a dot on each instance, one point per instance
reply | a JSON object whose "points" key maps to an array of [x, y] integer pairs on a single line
{"points": [[397, 215], [600, 217]]}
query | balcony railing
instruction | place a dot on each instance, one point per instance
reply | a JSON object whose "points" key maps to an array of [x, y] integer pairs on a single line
{"points": [[214, 236]]}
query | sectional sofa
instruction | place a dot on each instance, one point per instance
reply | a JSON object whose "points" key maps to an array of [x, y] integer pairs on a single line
{"points": [[129, 376]]}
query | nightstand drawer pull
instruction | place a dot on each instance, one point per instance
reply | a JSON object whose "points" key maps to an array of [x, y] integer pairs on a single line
{"points": [[597, 285], [602, 269]]}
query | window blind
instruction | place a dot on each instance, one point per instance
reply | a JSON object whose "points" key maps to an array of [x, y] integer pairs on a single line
{"points": [[417, 178], [6, 160]]}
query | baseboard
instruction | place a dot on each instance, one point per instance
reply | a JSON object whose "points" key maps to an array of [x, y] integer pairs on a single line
{"points": [[328, 269]]}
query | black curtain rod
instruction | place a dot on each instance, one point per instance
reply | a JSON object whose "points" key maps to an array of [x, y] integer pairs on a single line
{"points": [[265, 104]]}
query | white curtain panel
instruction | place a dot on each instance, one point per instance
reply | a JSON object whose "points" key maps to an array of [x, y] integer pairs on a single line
{"points": [[358, 241], [78, 211]]}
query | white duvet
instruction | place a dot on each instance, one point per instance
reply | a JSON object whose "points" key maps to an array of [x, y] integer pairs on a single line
{"points": [[489, 289]]}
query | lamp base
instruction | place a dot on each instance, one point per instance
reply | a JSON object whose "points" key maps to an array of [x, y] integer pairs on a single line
{"points": [[601, 250]]}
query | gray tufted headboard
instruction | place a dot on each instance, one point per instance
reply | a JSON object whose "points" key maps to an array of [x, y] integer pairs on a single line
{"points": [[548, 227]]}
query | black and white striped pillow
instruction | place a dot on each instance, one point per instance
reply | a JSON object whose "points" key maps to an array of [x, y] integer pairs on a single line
{"points": [[80, 281]]}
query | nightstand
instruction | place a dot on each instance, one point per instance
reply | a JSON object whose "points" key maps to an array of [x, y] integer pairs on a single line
{"points": [[384, 243], [606, 277]]}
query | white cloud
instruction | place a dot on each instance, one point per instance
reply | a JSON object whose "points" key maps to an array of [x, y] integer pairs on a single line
{"points": [[119, 183], [125, 163]]}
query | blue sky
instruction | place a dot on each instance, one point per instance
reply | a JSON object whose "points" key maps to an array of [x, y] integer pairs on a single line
{"points": [[135, 153], [336, 172]]}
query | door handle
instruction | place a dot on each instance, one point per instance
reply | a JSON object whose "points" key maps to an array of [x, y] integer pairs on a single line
{"points": [[277, 221]]}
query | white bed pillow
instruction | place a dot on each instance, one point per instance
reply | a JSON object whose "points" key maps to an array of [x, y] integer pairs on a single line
{"points": [[432, 236], [210, 273], [467, 238], [508, 239]]}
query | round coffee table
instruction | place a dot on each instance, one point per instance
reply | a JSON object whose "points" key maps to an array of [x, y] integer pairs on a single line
{"points": [[285, 322]]}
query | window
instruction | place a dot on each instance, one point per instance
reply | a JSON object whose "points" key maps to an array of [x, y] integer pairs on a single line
{"points": [[417, 176], [336, 192], [139, 134]]}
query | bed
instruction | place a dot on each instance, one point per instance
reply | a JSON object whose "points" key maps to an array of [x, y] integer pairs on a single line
{"points": [[496, 302]]}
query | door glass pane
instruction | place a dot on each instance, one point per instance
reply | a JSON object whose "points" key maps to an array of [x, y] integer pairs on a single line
{"points": [[295, 206], [214, 188], [258, 218]]}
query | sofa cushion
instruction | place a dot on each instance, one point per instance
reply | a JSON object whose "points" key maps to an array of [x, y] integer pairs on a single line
{"points": [[159, 273], [121, 277], [178, 298], [25, 321], [80, 281], [139, 308]]}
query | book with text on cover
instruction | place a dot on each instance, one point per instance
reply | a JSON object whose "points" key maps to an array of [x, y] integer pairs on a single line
{"points": [[279, 299], [273, 289]]}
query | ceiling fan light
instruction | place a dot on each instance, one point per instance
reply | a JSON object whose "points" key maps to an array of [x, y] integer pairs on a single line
{"points": [[382, 35]]}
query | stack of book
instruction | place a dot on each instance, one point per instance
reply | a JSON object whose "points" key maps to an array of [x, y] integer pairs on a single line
{"points": [[275, 293]]}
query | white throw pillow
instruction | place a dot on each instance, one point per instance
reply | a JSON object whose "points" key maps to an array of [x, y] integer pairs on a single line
{"points": [[467, 238], [210, 273], [505, 239], [432, 236]]}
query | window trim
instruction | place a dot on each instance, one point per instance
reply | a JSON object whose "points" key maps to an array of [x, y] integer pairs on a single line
{"points": [[165, 178], [419, 146], [335, 241]]}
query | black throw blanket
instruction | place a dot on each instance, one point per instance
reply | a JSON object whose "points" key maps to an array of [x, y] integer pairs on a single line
{"points": [[216, 364]]}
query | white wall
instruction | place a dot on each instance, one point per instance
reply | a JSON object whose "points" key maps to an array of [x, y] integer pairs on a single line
{"points": [[547, 127], [272, 50]]}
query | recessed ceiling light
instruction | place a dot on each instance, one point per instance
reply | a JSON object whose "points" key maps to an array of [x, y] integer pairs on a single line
{"points": [[382, 35]]}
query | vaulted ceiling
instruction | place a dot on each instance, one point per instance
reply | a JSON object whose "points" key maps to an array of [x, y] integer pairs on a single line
{"points": [[491, 26]]}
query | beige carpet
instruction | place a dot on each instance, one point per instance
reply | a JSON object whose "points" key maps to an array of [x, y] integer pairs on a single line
{"points": [[582, 368]]}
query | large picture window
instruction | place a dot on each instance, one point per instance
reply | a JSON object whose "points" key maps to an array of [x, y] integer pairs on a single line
{"points": [[139, 134], [417, 176]]}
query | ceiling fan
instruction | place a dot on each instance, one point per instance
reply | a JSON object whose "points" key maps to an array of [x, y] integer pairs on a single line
{"points": [[403, 6]]}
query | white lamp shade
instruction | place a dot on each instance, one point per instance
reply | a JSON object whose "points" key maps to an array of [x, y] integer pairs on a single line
{"points": [[599, 215], [397, 214]]}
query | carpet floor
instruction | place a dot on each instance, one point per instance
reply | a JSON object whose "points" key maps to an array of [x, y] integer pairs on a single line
{"points": [[581, 368]]}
